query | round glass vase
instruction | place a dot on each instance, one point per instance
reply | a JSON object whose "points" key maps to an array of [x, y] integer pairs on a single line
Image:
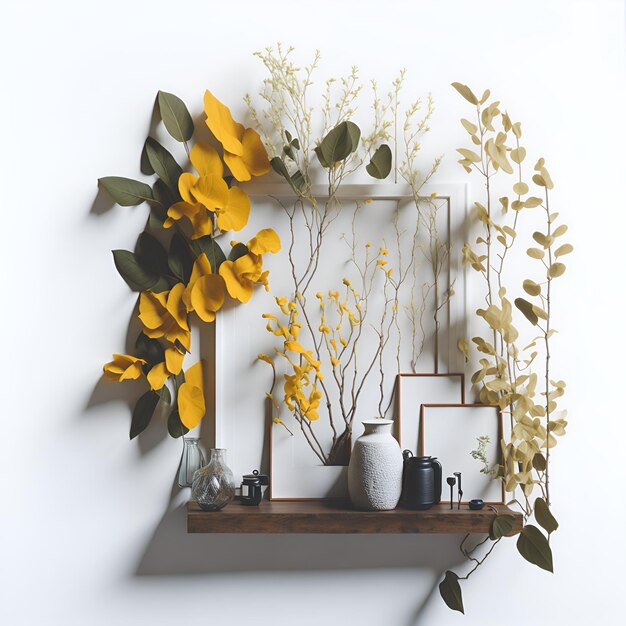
{"points": [[213, 485]]}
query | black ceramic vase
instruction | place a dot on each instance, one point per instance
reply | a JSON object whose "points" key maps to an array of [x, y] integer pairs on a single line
{"points": [[421, 481]]}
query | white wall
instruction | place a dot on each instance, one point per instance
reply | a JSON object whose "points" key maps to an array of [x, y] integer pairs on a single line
{"points": [[88, 535]]}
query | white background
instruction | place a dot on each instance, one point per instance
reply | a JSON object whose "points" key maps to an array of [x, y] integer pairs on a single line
{"points": [[88, 533]]}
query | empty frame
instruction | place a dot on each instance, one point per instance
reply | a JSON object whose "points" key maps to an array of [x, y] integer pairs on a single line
{"points": [[412, 391]]}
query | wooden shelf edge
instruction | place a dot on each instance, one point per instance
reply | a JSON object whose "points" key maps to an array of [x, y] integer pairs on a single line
{"points": [[338, 517]]}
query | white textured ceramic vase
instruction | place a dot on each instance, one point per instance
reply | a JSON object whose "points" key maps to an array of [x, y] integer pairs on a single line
{"points": [[375, 470]]}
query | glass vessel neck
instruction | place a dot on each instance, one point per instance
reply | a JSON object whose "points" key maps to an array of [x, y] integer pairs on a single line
{"points": [[218, 454]]}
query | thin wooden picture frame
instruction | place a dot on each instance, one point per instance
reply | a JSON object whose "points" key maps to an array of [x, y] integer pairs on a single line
{"points": [[498, 459], [434, 397]]}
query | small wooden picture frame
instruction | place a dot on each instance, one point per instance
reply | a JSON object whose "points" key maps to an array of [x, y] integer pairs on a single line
{"points": [[450, 432], [414, 390]]}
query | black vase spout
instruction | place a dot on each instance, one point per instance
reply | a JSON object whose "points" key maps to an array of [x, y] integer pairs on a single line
{"points": [[421, 481]]}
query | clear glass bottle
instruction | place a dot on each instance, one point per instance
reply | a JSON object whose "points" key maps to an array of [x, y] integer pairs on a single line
{"points": [[191, 461], [214, 484]]}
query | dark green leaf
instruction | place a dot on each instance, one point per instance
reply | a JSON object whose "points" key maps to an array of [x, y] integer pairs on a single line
{"points": [[175, 116], [544, 516], [149, 349], [181, 348], [142, 413], [237, 251], [164, 196], [339, 143], [288, 136], [212, 249], [450, 591], [298, 180], [180, 258], [126, 191], [539, 462], [151, 254], [380, 163], [296, 143], [163, 163], [174, 426], [501, 526], [165, 395], [527, 309], [320, 157], [137, 278], [288, 150], [534, 547], [155, 219], [144, 163]]}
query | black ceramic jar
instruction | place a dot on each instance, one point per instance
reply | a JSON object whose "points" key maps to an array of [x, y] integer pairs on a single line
{"points": [[421, 481]]}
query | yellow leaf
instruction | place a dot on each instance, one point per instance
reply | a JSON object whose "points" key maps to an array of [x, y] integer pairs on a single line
{"points": [[221, 124], [520, 188], [535, 253], [531, 287], [157, 376], [123, 367], [518, 154], [559, 230], [466, 92], [176, 306], [472, 129], [237, 285], [207, 296], [265, 240], [206, 160], [253, 161], [566, 248], [152, 309], [211, 191], [236, 210], [556, 270], [191, 404], [174, 360], [469, 155]]}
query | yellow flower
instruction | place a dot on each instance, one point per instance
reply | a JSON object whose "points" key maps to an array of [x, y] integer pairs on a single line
{"points": [[244, 152], [205, 291], [163, 315], [206, 193], [123, 367], [384, 251], [160, 372], [191, 405], [242, 274]]}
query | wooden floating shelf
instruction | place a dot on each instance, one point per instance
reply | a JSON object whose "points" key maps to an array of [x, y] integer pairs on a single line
{"points": [[340, 517]]}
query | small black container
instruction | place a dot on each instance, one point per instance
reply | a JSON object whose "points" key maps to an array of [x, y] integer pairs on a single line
{"points": [[421, 481], [252, 488]]}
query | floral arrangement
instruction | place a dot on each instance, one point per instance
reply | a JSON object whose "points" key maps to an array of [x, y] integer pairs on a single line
{"points": [[179, 267], [331, 343]]}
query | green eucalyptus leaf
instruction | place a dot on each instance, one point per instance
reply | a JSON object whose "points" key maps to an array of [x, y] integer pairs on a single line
{"points": [[539, 462], [544, 516], [180, 258], [163, 163], [175, 427], [175, 116], [237, 251], [527, 309], [295, 182], [151, 254], [142, 413], [450, 591], [380, 163], [212, 249], [534, 547], [164, 197], [320, 157], [144, 162], [136, 277], [126, 191], [149, 349], [501, 526], [339, 143]]}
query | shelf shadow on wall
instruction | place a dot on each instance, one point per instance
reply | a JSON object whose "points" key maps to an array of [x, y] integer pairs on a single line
{"points": [[173, 552]]}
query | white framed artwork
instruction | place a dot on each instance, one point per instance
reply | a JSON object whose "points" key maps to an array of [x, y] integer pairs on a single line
{"points": [[242, 422], [414, 390], [450, 432]]}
